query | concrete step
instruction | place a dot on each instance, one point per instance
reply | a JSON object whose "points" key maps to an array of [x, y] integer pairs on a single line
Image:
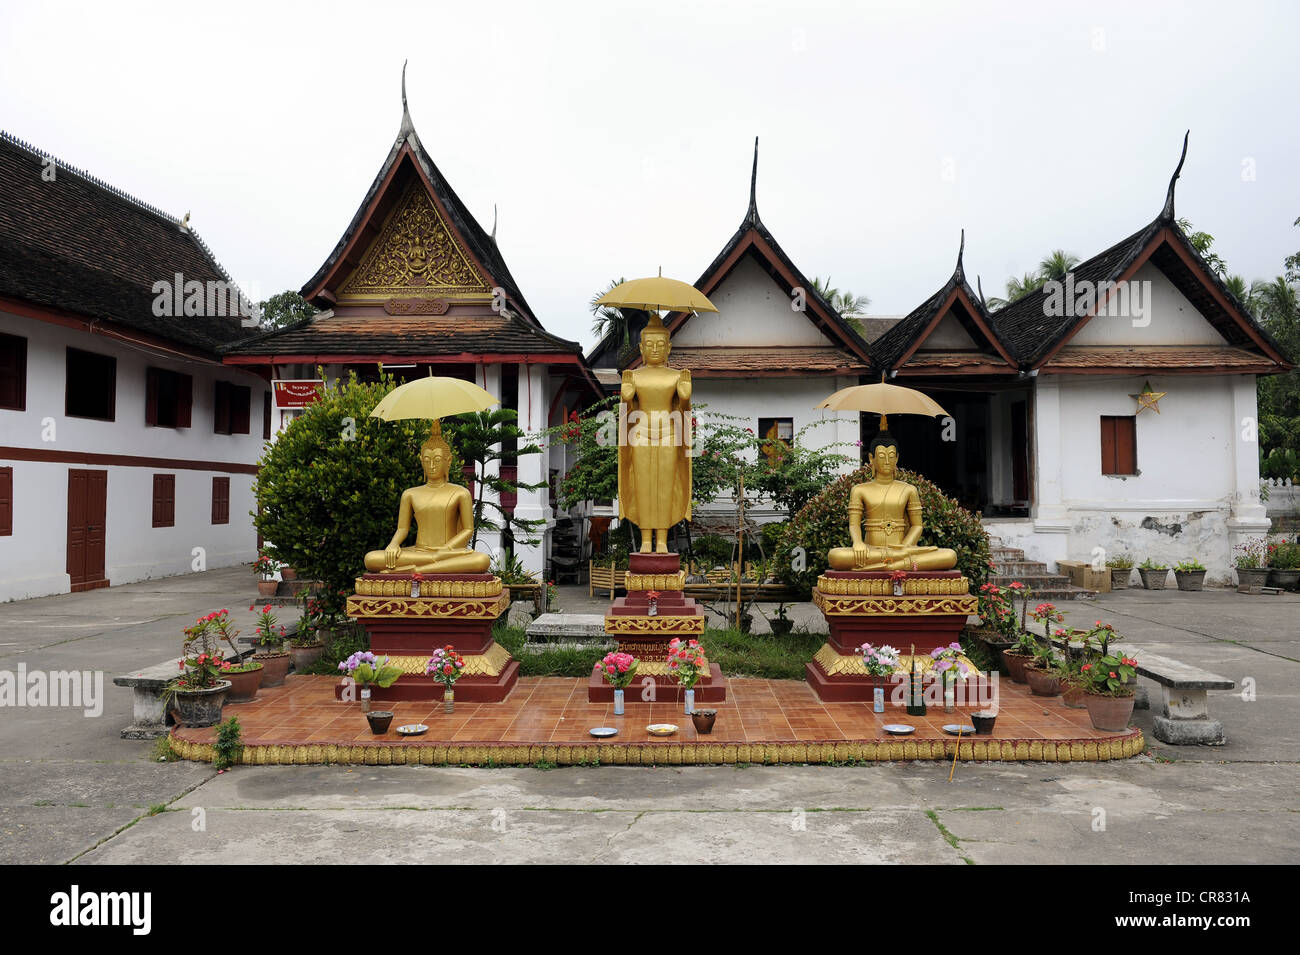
{"points": [[1006, 553], [1021, 568]]}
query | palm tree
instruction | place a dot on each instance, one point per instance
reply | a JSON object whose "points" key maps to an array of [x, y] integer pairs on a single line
{"points": [[618, 322], [1056, 265], [846, 303]]}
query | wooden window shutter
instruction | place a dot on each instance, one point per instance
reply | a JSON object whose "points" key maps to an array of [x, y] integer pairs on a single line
{"points": [[184, 400], [13, 372], [1118, 444], [151, 397], [6, 502], [164, 500], [240, 408], [221, 408], [221, 500]]}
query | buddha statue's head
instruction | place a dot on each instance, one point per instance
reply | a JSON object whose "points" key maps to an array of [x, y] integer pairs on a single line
{"points": [[655, 345], [883, 456], [435, 455]]}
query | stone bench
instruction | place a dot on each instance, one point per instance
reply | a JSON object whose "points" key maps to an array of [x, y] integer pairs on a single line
{"points": [[1184, 716], [147, 686]]}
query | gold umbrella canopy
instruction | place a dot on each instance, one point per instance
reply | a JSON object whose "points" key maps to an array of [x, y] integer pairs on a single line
{"points": [[657, 294], [884, 400], [433, 397]]}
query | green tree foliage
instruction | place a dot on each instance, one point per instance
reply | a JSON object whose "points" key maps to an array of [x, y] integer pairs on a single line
{"points": [[492, 437], [285, 309], [595, 435], [823, 523], [330, 486]]}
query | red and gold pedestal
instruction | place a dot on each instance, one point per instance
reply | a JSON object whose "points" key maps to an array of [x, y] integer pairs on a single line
{"points": [[861, 607], [455, 609], [646, 636]]}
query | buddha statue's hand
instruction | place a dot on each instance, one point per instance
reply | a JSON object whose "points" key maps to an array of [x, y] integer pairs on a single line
{"points": [[861, 554], [391, 553]]}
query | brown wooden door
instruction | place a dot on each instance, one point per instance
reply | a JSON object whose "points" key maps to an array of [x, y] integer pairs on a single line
{"points": [[87, 514]]}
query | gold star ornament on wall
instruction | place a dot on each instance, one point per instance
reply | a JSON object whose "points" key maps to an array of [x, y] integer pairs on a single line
{"points": [[1146, 398]]}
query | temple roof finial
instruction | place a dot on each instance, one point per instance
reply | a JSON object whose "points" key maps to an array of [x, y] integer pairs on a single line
{"points": [[494, 223], [1168, 211], [980, 289], [752, 214], [407, 125], [960, 271]]}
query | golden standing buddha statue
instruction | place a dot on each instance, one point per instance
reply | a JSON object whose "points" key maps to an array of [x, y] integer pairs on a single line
{"points": [[654, 463], [444, 516], [885, 521]]}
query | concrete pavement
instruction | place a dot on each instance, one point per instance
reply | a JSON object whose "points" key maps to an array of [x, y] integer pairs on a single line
{"points": [[71, 790]]}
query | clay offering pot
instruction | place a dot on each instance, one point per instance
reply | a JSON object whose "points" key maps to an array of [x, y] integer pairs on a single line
{"points": [[983, 723], [703, 720], [379, 721]]}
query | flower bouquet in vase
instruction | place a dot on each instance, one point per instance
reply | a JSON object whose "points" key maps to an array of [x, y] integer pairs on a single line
{"points": [[416, 579], [950, 667], [686, 662], [366, 671], [446, 666], [879, 662], [897, 578], [618, 669]]}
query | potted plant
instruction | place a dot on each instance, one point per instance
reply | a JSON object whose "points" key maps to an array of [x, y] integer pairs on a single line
{"points": [[244, 676], [288, 573], [1042, 673], [781, 624], [366, 670], [997, 630], [200, 691], [305, 646], [271, 653], [618, 669], [948, 664], [1109, 694], [1019, 655], [1154, 574], [1071, 667], [1284, 565], [446, 666], [1250, 558], [1190, 574], [1121, 571], [686, 662], [552, 596], [266, 567]]}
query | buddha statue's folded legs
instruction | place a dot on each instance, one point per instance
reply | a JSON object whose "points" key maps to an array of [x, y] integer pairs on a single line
{"points": [[419, 560], [892, 558]]}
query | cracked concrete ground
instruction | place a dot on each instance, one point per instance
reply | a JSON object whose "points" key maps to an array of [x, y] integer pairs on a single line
{"points": [[72, 791]]}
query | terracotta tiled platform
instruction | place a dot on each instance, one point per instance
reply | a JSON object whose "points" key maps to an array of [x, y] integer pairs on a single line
{"points": [[547, 719]]}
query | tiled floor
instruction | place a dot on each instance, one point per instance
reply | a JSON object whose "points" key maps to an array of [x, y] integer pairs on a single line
{"points": [[555, 711]]}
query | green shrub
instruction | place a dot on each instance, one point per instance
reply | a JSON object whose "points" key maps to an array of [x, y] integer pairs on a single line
{"points": [[712, 550], [229, 745], [824, 523]]}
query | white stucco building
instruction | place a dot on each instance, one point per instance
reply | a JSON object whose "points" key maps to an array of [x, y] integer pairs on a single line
{"points": [[127, 450]]}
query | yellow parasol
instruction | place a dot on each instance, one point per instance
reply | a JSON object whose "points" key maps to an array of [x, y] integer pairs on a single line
{"points": [[433, 397], [884, 400], [657, 294]]}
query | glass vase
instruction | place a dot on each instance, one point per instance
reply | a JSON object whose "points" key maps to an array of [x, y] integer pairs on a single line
{"points": [[690, 702], [449, 700], [949, 693], [365, 699], [618, 702], [898, 588], [415, 588]]}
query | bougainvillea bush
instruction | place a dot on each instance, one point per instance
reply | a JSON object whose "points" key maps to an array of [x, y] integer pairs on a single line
{"points": [[823, 523]]}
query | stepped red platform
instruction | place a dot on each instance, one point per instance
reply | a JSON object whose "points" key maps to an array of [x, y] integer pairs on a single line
{"points": [[456, 610], [646, 635]]}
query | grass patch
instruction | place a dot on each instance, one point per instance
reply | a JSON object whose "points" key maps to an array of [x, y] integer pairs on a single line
{"points": [[163, 752], [948, 837], [157, 808]]}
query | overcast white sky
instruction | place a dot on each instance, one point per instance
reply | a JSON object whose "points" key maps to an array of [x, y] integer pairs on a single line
{"points": [[616, 137]]}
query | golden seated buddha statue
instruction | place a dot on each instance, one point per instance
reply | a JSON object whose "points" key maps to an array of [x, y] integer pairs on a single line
{"points": [[444, 516], [885, 521]]}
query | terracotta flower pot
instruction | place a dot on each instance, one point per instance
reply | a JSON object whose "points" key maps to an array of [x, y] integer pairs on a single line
{"points": [[1110, 713], [304, 657], [1042, 682], [1016, 665], [275, 666], [202, 707], [1120, 577], [1190, 579], [288, 573], [267, 588], [1072, 696], [1154, 579], [243, 686]]}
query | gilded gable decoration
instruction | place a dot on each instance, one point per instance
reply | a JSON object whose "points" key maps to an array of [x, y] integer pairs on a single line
{"points": [[415, 251]]}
